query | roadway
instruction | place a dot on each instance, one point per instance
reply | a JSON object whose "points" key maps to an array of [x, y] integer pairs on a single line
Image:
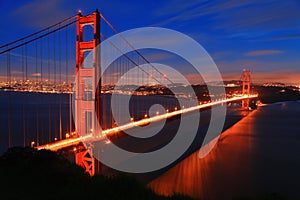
{"points": [[73, 141]]}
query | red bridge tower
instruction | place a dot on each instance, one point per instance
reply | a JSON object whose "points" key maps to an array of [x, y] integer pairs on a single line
{"points": [[246, 79], [86, 99]]}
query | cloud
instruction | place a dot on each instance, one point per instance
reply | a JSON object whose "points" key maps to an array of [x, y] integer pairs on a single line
{"points": [[257, 64], [36, 74], [260, 19], [239, 19], [286, 37], [41, 13], [178, 10], [174, 7], [286, 76], [16, 72], [264, 52], [222, 54], [188, 10]]}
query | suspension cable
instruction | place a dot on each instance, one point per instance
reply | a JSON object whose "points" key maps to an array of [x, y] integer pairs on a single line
{"points": [[135, 50], [129, 58], [38, 32], [39, 37]]}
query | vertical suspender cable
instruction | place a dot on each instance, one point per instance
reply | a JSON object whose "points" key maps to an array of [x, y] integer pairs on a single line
{"points": [[60, 87], [41, 88], [48, 84], [110, 83], [54, 77], [9, 99], [67, 82], [36, 82], [70, 72], [26, 97], [23, 104]]}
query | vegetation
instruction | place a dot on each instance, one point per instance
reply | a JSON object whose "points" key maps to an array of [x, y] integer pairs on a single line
{"points": [[26, 173]]}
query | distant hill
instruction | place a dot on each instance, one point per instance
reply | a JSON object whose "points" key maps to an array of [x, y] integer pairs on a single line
{"points": [[272, 94]]}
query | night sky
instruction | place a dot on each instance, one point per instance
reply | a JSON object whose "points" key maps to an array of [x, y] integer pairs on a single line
{"points": [[263, 36]]}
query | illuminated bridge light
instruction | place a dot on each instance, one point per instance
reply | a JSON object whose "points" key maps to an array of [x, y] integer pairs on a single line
{"points": [[32, 143], [90, 137]]}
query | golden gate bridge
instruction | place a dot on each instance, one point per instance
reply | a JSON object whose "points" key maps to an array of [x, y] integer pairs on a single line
{"points": [[43, 62]]}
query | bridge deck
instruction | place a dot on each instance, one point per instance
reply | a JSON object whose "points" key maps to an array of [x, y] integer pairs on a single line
{"points": [[103, 135]]}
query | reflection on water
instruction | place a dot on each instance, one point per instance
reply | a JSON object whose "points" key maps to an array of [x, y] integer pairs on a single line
{"points": [[258, 155]]}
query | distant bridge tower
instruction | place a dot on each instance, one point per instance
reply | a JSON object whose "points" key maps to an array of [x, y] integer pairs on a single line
{"points": [[246, 79], [86, 85]]}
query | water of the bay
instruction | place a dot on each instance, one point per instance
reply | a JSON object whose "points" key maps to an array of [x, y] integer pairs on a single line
{"points": [[31, 116], [259, 155], [41, 118]]}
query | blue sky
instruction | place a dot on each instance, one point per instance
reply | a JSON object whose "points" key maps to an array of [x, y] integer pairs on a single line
{"points": [[263, 36]]}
